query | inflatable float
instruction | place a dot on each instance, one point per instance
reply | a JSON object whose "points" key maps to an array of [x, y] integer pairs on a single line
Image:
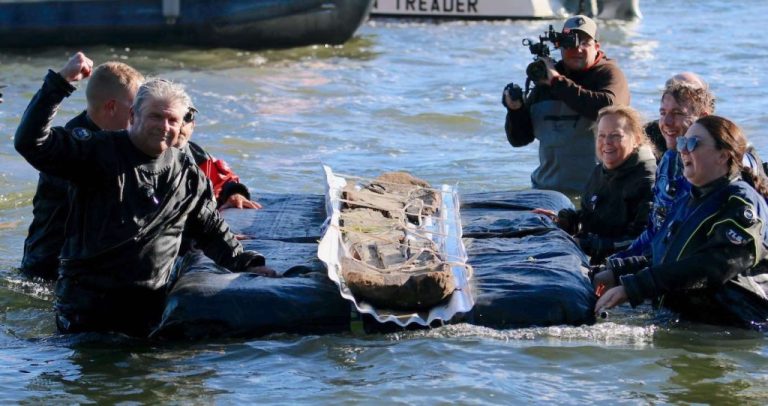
{"points": [[525, 272]]}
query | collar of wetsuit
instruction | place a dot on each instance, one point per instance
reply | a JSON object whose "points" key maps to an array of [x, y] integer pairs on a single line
{"points": [[703, 191]]}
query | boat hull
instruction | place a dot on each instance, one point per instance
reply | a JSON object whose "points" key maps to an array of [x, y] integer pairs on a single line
{"points": [[506, 9], [254, 24], [464, 9]]}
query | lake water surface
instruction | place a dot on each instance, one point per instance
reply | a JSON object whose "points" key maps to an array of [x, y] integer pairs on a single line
{"points": [[416, 96]]}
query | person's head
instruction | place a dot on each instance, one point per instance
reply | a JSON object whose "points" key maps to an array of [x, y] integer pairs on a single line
{"points": [[585, 53], [687, 77], [682, 103], [110, 93], [187, 128], [157, 116], [713, 147], [618, 133]]}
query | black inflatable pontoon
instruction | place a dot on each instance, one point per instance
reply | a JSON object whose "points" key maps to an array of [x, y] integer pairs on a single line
{"points": [[527, 272]]}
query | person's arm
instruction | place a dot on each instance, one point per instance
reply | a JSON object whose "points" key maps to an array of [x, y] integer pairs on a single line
{"points": [[518, 125], [213, 236], [34, 130], [234, 194], [608, 86], [227, 189], [56, 150], [639, 246], [734, 244]]}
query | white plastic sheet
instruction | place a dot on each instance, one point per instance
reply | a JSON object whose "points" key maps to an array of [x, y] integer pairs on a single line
{"points": [[445, 232]]}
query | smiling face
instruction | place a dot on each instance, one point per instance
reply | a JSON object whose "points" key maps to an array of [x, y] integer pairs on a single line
{"points": [[583, 56], [155, 127], [705, 163], [674, 119], [614, 142]]}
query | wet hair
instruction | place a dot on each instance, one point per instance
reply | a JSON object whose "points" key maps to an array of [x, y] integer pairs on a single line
{"points": [[161, 89], [700, 100], [112, 80], [729, 138], [633, 121]]}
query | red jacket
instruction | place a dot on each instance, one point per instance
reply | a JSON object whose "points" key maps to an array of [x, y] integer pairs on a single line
{"points": [[225, 182]]}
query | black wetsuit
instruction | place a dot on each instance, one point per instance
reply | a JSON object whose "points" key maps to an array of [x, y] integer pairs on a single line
{"points": [[50, 208], [126, 219]]}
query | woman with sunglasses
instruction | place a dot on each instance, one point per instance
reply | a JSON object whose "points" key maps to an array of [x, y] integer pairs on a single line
{"points": [[708, 257], [617, 198]]}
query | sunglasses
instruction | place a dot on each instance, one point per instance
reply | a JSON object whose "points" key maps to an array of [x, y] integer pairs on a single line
{"points": [[190, 116], [687, 144]]}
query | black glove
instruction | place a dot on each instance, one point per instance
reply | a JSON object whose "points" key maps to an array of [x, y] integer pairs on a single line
{"points": [[515, 93]]}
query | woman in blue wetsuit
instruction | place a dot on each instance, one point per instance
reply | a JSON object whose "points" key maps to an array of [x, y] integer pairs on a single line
{"points": [[708, 258]]}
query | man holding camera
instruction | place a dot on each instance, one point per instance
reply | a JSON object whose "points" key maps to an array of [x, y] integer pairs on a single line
{"points": [[563, 106]]}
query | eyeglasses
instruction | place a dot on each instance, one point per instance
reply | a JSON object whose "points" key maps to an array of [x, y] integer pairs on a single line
{"points": [[687, 144]]}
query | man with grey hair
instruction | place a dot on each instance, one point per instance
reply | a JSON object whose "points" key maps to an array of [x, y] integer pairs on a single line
{"points": [[133, 195], [109, 95]]}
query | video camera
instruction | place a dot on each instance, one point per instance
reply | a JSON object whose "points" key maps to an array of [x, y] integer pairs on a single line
{"points": [[537, 70]]}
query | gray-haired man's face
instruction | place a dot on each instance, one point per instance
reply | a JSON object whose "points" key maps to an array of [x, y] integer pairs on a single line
{"points": [[155, 128]]}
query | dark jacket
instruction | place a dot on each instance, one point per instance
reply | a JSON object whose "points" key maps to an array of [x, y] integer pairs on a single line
{"points": [[654, 135], [614, 206], [560, 116], [126, 218], [50, 208], [709, 258]]}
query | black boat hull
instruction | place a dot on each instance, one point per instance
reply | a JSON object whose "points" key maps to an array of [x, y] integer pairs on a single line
{"points": [[246, 24]]}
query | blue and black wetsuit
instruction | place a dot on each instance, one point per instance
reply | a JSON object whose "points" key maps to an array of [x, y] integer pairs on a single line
{"points": [[670, 183], [709, 257]]}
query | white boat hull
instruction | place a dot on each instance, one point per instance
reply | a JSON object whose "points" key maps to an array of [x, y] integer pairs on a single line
{"points": [[506, 9], [480, 9]]}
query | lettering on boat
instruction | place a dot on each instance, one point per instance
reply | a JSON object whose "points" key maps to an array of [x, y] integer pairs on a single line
{"points": [[427, 6]]}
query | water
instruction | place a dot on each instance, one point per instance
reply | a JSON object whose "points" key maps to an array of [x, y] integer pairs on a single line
{"points": [[422, 97]]}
